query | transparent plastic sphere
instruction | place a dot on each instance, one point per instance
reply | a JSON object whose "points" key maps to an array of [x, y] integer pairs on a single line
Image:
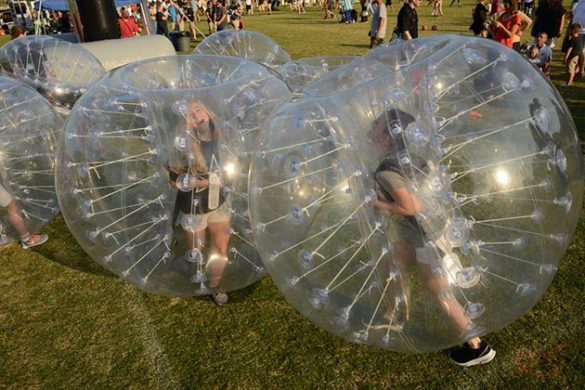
{"points": [[298, 73], [28, 135], [152, 149], [61, 71], [425, 207], [250, 45], [374, 64]]}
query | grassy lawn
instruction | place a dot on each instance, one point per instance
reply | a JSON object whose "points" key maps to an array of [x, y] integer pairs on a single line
{"points": [[67, 323]]}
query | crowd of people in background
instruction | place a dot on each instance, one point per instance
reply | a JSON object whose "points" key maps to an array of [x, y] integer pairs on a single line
{"points": [[506, 21]]}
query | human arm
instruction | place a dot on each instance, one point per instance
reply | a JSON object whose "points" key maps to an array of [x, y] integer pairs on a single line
{"points": [[514, 29], [195, 182], [568, 55], [561, 24], [381, 27], [525, 22], [403, 201], [403, 25], [223, 16]]}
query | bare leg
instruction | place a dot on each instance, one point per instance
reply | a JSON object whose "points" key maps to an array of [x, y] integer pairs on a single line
{"points": [[15, 217], [220, 238], [402, 256], [439, 289]]}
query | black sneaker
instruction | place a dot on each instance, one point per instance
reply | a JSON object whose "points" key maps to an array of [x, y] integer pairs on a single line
{"points": [[467, 356]]}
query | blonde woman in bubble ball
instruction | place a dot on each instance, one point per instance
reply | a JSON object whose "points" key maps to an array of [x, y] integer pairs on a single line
{"points": [[398, 204], [201, 202]]}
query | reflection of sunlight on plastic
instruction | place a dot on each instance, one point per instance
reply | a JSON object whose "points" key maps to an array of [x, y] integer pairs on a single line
{"points": [[29, 129], [502, 177], [489, 155], [124, 140], [61, 71]]}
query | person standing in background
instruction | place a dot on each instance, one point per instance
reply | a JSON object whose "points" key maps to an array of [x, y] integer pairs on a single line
{"points": [[508, 24], [221, 19], [378, 27], [407, 24], [161, 21], [550, 18], [128, 28]]}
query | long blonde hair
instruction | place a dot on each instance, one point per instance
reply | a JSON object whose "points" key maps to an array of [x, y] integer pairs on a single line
{"points": [[198, 165]]}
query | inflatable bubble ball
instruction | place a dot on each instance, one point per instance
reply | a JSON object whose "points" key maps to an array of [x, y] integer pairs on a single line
{"points": [[153, 171], [426, 207], [28, 138], [61, 71], [250, 45], [301, 72], [374, 64]]}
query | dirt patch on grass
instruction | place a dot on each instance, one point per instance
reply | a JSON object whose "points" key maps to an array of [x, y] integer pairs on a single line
{"points": [[540, 363]]}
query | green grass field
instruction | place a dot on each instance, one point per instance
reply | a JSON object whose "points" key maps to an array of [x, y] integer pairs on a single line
{"points": [[67, 323]]}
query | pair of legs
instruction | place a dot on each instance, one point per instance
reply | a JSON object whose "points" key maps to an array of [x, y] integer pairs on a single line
{"points": [[264, 7], [348, 18], [212, 27], [327, 6], [217, 223], [403, 257], [27, 240], [437, 8], [575, 65]]}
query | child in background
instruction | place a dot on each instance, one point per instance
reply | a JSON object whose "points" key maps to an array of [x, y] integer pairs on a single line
{"points": [[532, 55], [574, 54]]}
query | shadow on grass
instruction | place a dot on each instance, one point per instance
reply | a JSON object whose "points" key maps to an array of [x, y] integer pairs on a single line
{"points": [[364, 46], [63, 248], [242, 294]]}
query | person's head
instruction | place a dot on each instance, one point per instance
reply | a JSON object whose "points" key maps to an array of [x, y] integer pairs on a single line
{"points": [[198, 118], [511, 6], [541, 39], [533, 52], [17, 31], [414, 3], [384, 130], [575, 29]]}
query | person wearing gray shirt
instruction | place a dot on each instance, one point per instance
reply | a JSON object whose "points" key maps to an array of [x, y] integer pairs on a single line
{"points": [[378, 28]]}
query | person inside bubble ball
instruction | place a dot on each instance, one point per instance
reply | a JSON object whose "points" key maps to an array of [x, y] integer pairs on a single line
{"points": [[14, 211], [201, 202], [398, 203]]}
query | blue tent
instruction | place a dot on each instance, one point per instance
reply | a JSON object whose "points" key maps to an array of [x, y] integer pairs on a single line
{"points": [[61, 5]]}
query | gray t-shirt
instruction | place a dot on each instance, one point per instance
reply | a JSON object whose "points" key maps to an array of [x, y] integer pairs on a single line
{"points": [[379, 17], [400, 227]]}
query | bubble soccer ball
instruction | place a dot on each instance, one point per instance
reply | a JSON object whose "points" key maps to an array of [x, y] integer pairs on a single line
{"points": [[28, 134], [299, 73], [131, 159], [61, 71], [424, 207], [250, 45]]}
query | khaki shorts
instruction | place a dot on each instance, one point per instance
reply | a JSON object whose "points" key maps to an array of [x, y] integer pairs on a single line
{"points": [[199, 222], [5, 197], [572, 66]]}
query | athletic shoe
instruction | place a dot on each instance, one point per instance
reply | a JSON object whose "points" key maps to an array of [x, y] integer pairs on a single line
{"points": [[220, 297], [466, 356], [34, 240]]}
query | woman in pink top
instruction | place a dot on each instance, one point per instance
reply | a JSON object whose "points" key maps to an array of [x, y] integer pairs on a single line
{"points": [[508, 24]]}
